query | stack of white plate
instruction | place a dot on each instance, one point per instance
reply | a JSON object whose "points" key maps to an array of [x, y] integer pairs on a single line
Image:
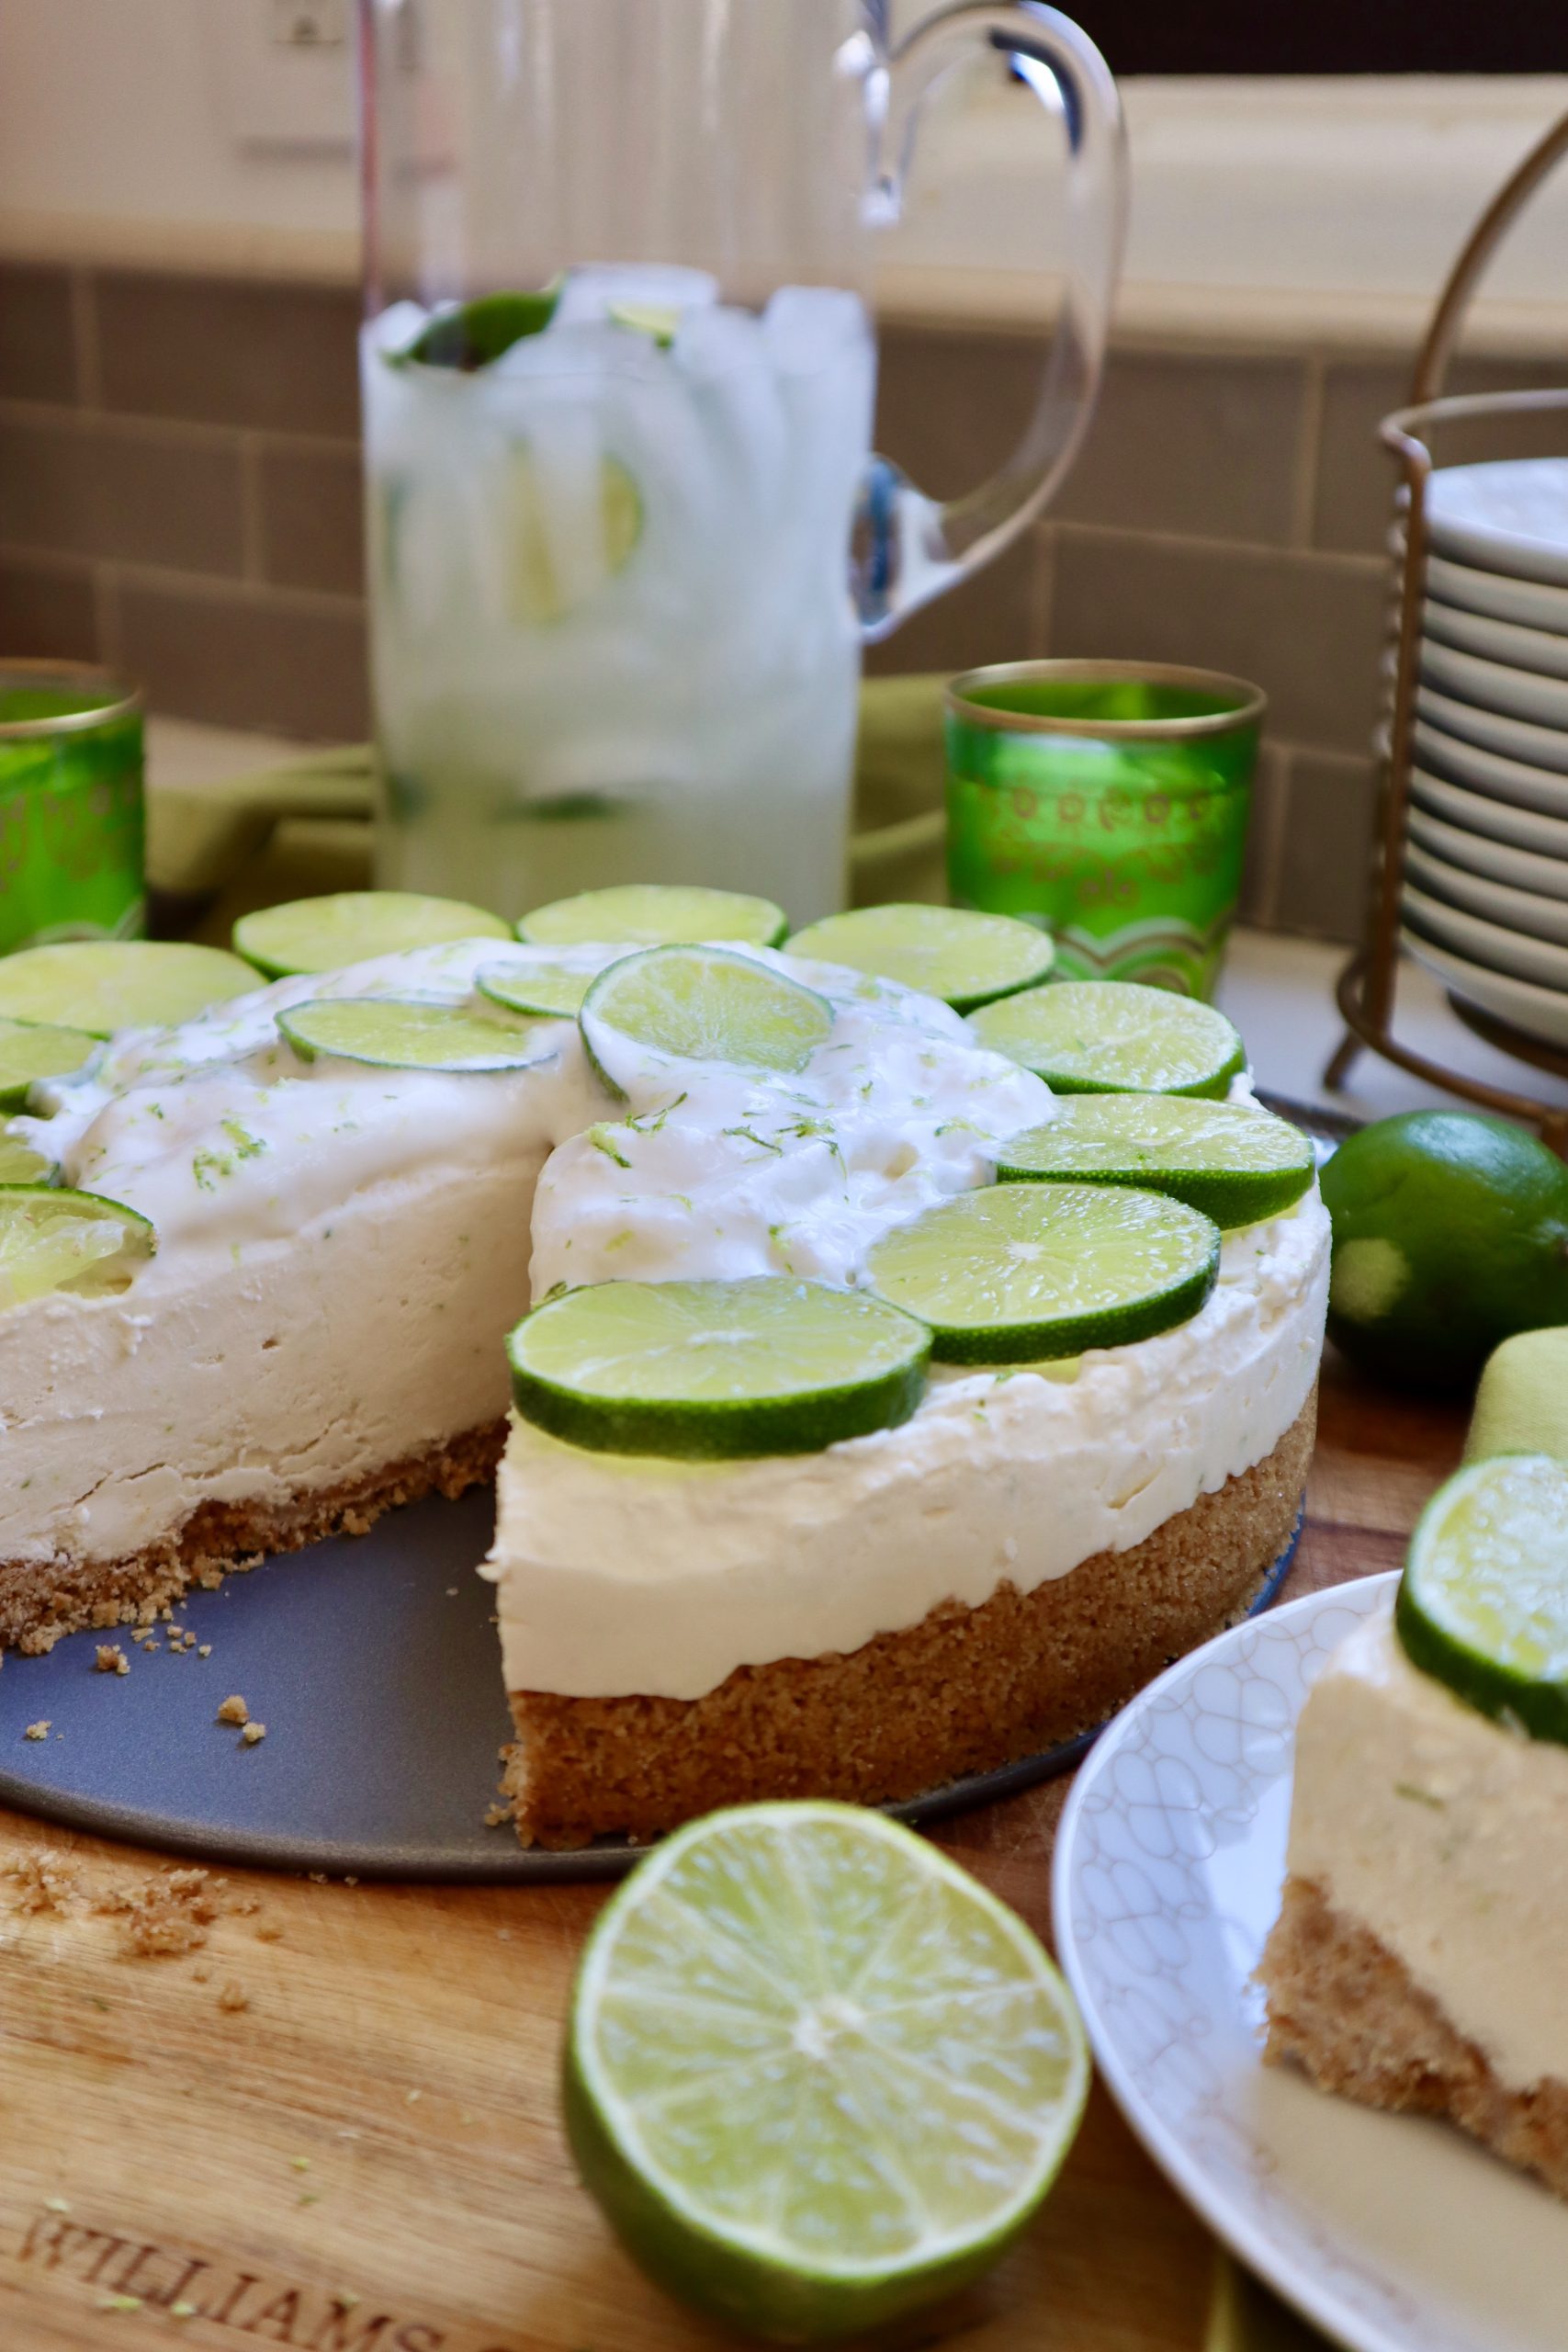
{"points": [[1486, 896]]}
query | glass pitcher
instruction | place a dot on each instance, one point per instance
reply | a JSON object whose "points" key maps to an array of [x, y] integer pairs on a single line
{"points": [[626, 532]]}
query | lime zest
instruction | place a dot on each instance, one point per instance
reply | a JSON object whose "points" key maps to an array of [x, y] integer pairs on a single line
{"points": [[654, 914], [351, 926], [704, 1004], [408, 1033], [1482, 1605], [1022, 1273], [1114, 1037], [967, 959], [53, 1238], [714, 1371], [816, 2076]]}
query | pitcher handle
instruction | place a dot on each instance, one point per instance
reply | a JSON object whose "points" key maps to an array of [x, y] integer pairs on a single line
{"points": [[910, 548]]}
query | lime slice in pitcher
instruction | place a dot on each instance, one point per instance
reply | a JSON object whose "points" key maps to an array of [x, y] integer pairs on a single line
{"points": [[654, 914], [351, 926], [714, 1370], [951, 952], [559, 559]]}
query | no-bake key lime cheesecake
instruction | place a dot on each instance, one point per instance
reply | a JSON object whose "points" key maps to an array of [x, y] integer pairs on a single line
{"points": [[900, 1388]]}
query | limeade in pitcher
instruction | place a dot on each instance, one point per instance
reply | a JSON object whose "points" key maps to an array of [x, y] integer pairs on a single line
{"points": [[613, 631]]}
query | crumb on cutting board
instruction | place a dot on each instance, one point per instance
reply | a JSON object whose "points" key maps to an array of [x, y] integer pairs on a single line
{"points": [[233, 1996], [164, 1915], [42, 1883]]}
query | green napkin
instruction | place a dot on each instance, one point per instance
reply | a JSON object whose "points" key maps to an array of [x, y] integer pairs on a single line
{"points": [[1521, 1406], [215, 851]]}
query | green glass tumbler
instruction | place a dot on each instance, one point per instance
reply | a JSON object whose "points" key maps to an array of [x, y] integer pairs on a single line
{"points": [[71, 809], [1108, 802]]}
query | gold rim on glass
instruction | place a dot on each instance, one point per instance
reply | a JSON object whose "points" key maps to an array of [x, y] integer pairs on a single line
{"points": [[1247, 709], [86, 675]]}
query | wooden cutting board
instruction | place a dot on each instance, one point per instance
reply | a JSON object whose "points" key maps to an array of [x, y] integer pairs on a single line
{"points": [[330, 2122]]}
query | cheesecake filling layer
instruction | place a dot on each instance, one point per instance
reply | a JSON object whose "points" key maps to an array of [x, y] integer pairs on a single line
{"points": [[618, 1574], [1446, 1835], [342, 1248]]}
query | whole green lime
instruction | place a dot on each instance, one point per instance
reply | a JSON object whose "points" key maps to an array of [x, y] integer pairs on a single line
{"points": [[1450, 1232]]}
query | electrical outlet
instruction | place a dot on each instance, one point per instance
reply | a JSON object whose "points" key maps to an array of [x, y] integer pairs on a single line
{"points": [[282, 73]]}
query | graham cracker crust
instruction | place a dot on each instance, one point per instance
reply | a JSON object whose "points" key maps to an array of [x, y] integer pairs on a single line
{"points": [[1348, 2010], [963, 1690], [38, 1603]]}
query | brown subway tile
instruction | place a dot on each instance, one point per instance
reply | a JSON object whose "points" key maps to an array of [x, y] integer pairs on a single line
{"points": [[47, 609], [228, 353], [97, 489], [312, 518], [38, 339], [247, 659], [1306, 627], [1330, 807], [1179, 442], [1356, 475], [1259, 881], [990, 617]]}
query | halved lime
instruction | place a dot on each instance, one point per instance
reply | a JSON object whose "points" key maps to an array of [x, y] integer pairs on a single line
{"points": [[1114, 1037], [701, 1004], [1235, 1162], [30, 1049], [710, 1371], [969, 959], [1022, 1272], [816, 2075], [654, 914], [553, 990], [21, 1162], [1484, 1601], [555, 569], [351, 926], [102, 985], [406, 1033], [55, 1240]]}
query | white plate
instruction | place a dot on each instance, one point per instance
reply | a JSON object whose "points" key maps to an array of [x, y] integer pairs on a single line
{"points": [[1539, 649], [1489, 773], [1508, 515], [1392, 2233], [1526, 601], [1511, 739], [1539, 1013], [1491, 944], [1543, 840], [1520, 869], [1495, 685], [1525, 911]]}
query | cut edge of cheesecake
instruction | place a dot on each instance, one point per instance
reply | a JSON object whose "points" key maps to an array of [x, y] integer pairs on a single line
{"points": [[966, 1690], [1346, 2010]]}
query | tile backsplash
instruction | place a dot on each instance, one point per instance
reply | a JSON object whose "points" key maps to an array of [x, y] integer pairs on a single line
{"points": [[179, 495]]}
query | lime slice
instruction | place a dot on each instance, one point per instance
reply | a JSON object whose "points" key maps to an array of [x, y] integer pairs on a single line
{"points": [[54, 1239], [22, 1163], [701, 1004], [36, 1049], [967, 959], [553, 990], [1484, 1601], [816, 2075], [1022, 1272], [471, 335], [710, 1371], [351, 926], [555, 565], [1235, 1163], [657, 319], [406, 1033], [1114, 1037], [654, 914], [102, 985]]}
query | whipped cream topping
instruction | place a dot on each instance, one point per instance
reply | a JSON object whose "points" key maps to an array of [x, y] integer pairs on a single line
{"points": [[1445, 1834], [619, 1574]]}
